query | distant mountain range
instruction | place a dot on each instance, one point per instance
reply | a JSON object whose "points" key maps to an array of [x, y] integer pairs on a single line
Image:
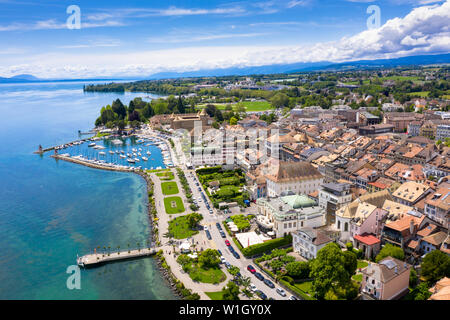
{"points": [[269, 69]]}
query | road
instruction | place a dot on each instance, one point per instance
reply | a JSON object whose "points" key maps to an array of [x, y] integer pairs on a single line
{"points": [[217, 242]]}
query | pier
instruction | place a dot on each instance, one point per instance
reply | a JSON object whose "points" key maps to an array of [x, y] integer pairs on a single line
{"points": [[92, 260], [42, 150]]}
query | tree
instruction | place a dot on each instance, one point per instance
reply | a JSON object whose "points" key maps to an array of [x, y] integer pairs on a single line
{"points": [[233, 121], [276, 264], [119, 109], [134, 116], [148, 111], [435, 266], [328, 270], [351, 262], [390, 250], [298, 269], [279, 100], [210, 109], [413, 278], [209, 258], [193, 219], [218, 115], [180, 105], [231, 291]]}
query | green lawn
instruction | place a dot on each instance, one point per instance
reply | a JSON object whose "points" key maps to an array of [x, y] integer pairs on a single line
{"points": [[422, 94], [215, 295], [211, 275], [179, 227], [249, 106], [168, 175], [169, 188], [362, 264], [357, 277], [173, 205], [305, 287]]}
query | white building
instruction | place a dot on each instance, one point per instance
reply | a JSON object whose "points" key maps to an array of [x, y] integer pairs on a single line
{"points": [[287, 214], [307, 242], [442, 132]]}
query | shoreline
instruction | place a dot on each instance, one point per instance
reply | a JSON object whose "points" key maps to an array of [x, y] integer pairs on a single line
{"points": [[166, 274]]}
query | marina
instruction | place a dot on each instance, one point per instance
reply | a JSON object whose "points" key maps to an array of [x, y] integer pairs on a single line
{"points": [[117, 153]]}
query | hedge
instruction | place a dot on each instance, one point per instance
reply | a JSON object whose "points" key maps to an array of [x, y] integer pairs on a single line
{"points": [[266, 246], [208, 170], [296, 290]]}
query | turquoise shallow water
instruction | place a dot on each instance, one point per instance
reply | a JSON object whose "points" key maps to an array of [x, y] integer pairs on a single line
{"points": [[51, 211]]}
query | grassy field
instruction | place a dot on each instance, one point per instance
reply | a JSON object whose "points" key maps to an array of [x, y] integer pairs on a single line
{"points": [[211, 275], [178, 208], [168, 175], [169, 188], [250, 106], [215, 295], [422, 94], [179, 227]]}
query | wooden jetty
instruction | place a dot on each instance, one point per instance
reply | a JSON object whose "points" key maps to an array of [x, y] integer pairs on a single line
{"points": [[95, 259]]}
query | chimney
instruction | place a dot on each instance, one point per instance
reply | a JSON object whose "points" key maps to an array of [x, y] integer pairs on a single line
{"points": [[411, 226]]}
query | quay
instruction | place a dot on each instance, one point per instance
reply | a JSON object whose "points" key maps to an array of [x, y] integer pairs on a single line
{"points": [[95, 259], [42, 150], [104, 166]]}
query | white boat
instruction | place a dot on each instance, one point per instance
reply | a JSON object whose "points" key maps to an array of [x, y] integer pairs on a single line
{"points": [[140, 149], [134, 150], [102, 153], [144, 158], [137, 160], [122, 156], [111, 152], [139, 154], [149, 153], [92, 144], [131, 160]]}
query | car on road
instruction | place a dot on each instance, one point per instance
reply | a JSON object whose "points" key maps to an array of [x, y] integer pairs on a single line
{"points": [[220, 252], [227, 264], [227, 242], [261, 294], [205, 227], [259, 276], [269, 283], [252, 287], [218, 226], [251, 269], [222, 234], [281, 292], [231, 249], [222, 259], [292, 298], [236, 255], [208, 235]]}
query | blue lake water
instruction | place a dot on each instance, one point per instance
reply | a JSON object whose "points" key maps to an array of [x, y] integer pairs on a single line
{"points": [[50, 211]]}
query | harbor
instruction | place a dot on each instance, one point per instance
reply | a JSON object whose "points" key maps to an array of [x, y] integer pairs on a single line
{"points": [[114, 152]]}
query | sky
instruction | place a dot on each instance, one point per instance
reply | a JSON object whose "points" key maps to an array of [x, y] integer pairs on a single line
{"points": [[141, 38]]}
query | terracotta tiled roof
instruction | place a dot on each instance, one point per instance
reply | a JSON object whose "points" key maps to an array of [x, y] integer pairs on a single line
{"points": [[367, 239]]}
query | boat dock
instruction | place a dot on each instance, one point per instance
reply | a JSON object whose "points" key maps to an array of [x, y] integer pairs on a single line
{"points": [[92, 260], [42, 150]]}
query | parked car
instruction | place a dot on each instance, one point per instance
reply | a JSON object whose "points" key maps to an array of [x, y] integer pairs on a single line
{"points": [[281, 292], [251, 269], [227, 242], [222, 234], [261, 294], [227, 264], [259, 276], [208, 235], [220, 252], [218, 226], [269, 283], [252, 287], [236, 255], [292, 298], [205, 227], [231, 249], [222, 259]]}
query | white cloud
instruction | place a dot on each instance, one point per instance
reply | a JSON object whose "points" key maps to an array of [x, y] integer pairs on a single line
{"points": [[424, 30]]}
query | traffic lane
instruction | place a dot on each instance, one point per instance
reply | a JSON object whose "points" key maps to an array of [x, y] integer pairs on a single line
{"points": [[242, 264]]}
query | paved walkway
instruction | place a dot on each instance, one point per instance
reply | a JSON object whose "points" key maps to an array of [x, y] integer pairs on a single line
{"points": [[163, 225]]}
